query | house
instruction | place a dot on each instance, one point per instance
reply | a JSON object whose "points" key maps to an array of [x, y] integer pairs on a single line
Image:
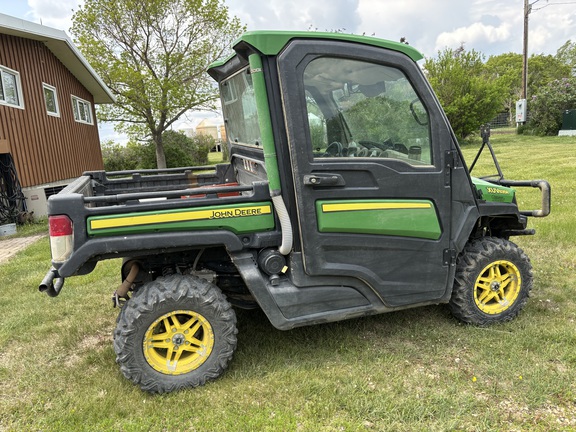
{"points": [[48, 130]]}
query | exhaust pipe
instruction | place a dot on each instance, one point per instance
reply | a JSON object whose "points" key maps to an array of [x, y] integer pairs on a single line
{"points": [[120, 296], [123, 289], [51, 284]]}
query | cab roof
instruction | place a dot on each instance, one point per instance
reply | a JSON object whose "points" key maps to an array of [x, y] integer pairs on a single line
{"points": [[271, 42]]}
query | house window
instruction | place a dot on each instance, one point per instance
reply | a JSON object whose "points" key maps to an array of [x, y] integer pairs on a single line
{"points": [[51, 100], [10, 88], [82, 110]]}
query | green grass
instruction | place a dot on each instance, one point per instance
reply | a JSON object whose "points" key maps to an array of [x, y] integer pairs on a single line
{"points": [[415, 370], [215, 157]]}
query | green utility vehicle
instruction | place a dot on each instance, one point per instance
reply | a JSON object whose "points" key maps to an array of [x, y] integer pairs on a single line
{"points": [[345, 195]]}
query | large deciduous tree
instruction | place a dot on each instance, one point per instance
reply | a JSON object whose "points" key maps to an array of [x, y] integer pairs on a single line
{"points": [[467, 92], [507, 69], [153, 55], [567, 55]]}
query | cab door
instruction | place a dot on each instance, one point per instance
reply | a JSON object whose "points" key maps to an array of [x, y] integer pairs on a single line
{"points": [[370, 153]]}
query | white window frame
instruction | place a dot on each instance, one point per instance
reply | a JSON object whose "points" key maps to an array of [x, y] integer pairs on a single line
{"points": [[53, 90], [16, 74], [76, 103]]}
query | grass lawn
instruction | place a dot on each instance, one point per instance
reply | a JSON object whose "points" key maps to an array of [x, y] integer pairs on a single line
{"points": [[415, 370]]}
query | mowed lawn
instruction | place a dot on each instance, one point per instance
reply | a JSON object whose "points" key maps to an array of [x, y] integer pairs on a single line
{"points": [[415, 370]]}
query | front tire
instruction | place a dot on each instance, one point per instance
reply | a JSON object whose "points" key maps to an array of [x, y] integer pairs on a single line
{"points": [[175, 332], [492, 283]]}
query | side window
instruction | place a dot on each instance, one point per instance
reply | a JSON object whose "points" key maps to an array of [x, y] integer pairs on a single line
{"points": [[51, 100], [366, 110], [82, 110], [239, 108], [10, 88]]}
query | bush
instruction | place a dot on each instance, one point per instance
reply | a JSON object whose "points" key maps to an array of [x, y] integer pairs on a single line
{"points": [[117, 157], [179, 149], [546, 106]]}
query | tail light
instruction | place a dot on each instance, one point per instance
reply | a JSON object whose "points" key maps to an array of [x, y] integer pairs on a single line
{"points": [[61, 237]]}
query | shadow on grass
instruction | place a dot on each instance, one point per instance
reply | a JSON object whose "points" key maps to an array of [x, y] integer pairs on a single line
{"points": [[261, 346]]}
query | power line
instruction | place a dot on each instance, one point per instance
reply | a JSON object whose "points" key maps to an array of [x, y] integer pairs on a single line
{"points": [[549, 4]]}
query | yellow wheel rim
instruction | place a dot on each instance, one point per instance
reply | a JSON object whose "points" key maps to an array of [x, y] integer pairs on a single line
{"points": [[178, 342], [497, 287]]}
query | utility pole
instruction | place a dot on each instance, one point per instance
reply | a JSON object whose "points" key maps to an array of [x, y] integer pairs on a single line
{"points": [[527, 10], [522, 104]]}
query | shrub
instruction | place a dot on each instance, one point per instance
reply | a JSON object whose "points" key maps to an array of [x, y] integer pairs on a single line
{"points": [[117, 157], [179, 149], [546, 106]]}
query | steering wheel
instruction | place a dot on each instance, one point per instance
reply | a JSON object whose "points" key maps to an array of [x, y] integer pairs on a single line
{"points": [[334, 149], [401, 148]]}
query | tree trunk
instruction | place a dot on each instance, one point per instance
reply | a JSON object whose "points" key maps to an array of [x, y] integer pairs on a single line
{"points": [[160, 156]]}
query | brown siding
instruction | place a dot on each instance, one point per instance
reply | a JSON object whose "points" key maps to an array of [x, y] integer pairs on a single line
{"points": [[46, 148]]}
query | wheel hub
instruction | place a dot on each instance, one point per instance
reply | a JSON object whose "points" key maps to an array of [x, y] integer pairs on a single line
{"points": [[178, 339], [495, 286]]}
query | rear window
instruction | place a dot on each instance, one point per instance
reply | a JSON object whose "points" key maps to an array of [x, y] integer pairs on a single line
{"points": [[239, 108]]}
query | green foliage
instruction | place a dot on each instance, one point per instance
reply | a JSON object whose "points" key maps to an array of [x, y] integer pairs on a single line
{"points": [[547, 106], [318, 136], [507, 70], [186, 151], [468, 93], [381, 118], [153, 55], [567, 55], [180, 151], [543, 69], [117, 157]]}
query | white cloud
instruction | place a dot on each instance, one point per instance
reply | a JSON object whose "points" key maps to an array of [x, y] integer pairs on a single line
{"points": [[297, 14], [474, 35], [53, 13], [417, 20]]}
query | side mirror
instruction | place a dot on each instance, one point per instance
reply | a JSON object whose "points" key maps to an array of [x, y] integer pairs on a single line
{"points": [[419, 112]]}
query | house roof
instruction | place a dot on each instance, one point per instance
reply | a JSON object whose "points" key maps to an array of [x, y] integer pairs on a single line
{"points": [[62, 47]]}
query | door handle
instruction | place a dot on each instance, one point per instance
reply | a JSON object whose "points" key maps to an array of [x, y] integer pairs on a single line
{"points": [[325, 180]]}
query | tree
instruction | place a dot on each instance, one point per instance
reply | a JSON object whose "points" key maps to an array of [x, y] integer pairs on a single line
{"points": [[153, 55], [567, 55], [542, 70], [467, 92], [507, 69]]}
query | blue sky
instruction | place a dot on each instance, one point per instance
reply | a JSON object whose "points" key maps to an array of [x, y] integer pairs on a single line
{"points": [[491, 27]]}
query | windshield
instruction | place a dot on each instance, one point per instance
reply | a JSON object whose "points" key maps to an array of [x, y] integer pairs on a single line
{"points": [[239, 108]]}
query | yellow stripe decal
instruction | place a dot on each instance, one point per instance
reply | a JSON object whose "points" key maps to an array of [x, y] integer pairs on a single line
{"points": [[148, 219], [328, 208]]}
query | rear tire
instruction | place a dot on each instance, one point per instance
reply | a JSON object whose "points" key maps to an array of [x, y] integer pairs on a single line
{"points": [[175, 332], [492, 283]]}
